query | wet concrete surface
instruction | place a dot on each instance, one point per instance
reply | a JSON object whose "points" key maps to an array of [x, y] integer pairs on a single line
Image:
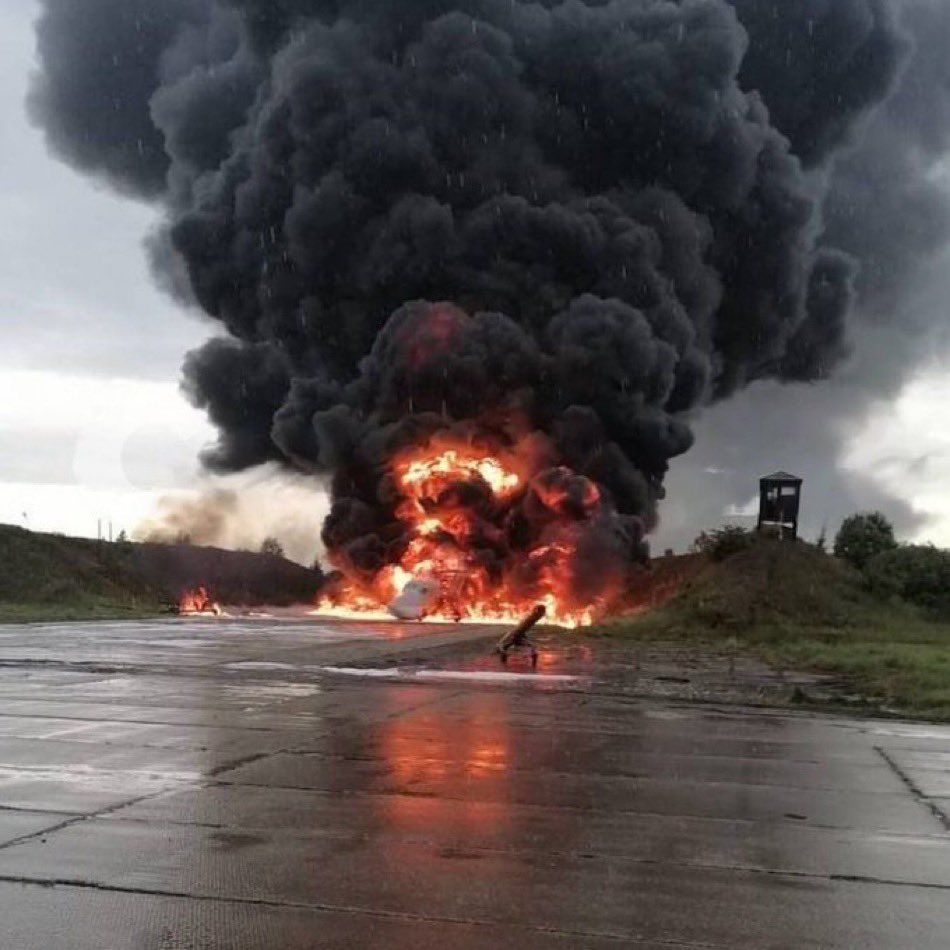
{"points": [[258, 784]]}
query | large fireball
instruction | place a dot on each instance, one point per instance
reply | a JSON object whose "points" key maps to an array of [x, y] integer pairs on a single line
{"points": [[487, 534]]}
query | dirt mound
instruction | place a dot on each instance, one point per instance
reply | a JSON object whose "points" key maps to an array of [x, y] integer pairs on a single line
{"points": [[665, 577], [773, 583]]}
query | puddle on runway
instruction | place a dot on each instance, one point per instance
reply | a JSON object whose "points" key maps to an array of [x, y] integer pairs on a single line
{"points": [[473, 676]]}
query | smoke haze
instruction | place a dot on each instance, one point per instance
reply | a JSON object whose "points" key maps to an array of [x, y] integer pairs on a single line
{"points": [[240, 511]]}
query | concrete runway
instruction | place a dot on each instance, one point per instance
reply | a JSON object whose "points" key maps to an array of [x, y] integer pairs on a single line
{"points": [[214, 786]]}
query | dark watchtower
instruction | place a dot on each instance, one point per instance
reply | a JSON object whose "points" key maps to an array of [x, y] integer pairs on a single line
{"points": [[779, 497]]}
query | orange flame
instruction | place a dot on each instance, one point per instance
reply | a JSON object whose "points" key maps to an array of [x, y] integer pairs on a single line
{"points": [[452, 501], [198, 601], [428, 477]]}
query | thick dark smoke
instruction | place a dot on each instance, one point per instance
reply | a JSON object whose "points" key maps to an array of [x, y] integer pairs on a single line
{"points": [[633, 208], [102, 63], [888, 207]]}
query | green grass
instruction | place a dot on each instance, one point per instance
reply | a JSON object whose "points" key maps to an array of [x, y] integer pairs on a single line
{"points": [[50, 577], [48, 613], [797, 608]]}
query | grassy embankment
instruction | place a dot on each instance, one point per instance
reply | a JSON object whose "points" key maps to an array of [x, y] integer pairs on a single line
{"points": [[51, 577], [798, 608]]}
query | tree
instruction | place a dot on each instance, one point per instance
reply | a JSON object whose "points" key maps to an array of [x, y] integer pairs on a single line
{"points": [[917, 573], [862, 536], [272, 546], [121, 537], [723, 542]]}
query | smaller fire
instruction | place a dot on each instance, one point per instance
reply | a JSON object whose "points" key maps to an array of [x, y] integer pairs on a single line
{"points": [[198, 601]]}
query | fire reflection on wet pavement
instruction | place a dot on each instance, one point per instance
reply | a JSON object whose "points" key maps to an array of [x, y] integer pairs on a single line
{"points": [[215, 784]]}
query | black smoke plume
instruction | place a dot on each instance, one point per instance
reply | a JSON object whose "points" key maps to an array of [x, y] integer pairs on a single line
{"points": [[888, 206], [582, 220]]}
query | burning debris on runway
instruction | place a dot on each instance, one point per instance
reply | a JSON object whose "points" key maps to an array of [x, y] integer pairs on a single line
{"points": [[198, 602]]}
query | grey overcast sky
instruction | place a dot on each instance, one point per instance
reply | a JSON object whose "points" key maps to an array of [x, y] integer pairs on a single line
{"points": [[91, 421], [92, 425]]}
